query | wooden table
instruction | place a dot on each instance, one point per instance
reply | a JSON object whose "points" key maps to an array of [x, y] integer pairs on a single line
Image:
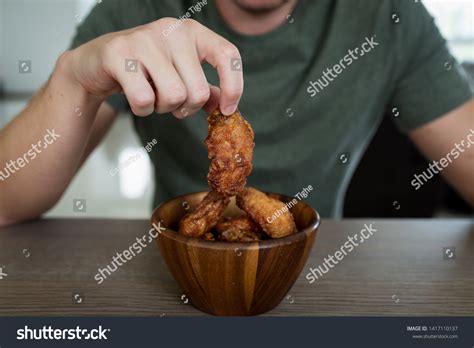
{"points": [[400, 270]]}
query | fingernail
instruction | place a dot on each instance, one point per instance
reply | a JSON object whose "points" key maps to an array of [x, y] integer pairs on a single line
{"points": [[230, 110]]}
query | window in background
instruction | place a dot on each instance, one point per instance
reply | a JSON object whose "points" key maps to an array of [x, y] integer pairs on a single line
{"points": [[134, 172], [455, 19]]}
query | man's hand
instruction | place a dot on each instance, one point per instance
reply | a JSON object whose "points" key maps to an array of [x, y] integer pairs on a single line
{"points": [[158, 72]]}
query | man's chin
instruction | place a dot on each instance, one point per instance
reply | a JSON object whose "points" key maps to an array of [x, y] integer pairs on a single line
{"points": [[259, 5]]}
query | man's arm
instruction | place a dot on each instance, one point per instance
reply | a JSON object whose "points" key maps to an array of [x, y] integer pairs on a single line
{"points": [[39, 175], [442, 138]]}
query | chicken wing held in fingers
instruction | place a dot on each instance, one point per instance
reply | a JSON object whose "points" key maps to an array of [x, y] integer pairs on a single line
{"points": [[263, 210], [238, 229], [230, 143], [205, 216]]}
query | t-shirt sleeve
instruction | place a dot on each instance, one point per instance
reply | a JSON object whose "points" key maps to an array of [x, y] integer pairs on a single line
{"points": [[429, 81], [103, 19]]}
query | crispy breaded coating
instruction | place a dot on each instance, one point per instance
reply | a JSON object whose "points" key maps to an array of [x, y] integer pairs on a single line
{"points": [[230, 143], [238, 236], [205, 216], [239, 222], [238, 229], [269, 213], [208, 236]]}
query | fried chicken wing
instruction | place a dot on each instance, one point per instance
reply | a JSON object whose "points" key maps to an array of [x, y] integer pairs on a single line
{"points": [[205, 216], [208, 236], [230, 144], [238, 229], [269, 213], [238, 236], [240, 223]]}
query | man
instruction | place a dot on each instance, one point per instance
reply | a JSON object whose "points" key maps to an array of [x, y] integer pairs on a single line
{"points": [[318, 77]]}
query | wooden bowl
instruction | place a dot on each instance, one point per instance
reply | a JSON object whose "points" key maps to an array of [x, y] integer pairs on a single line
{"points": [[234, 279]]}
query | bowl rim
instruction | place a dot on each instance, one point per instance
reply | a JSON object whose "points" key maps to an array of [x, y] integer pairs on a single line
{"points": [[267, 243]]}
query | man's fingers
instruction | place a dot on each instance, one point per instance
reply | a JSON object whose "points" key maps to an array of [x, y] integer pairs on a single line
{"points": [[170, 78], [170, 90], [132, 78], [225, 58], [213, 100], [189, 68]]}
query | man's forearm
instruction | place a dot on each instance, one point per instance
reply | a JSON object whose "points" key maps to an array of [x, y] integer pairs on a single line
{"points": [[42, 147], [448, 140]]}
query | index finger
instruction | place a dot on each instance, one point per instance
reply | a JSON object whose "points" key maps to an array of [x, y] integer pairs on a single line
{"points": [[225, 58]]}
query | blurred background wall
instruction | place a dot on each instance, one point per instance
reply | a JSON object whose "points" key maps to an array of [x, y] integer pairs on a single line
{"points": [[39, 30]]}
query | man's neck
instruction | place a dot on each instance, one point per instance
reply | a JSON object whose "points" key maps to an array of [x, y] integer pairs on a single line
{"points": [[253, 23]]}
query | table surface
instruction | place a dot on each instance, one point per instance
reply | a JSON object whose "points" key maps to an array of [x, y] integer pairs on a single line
{"points": [[400, 270]]}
